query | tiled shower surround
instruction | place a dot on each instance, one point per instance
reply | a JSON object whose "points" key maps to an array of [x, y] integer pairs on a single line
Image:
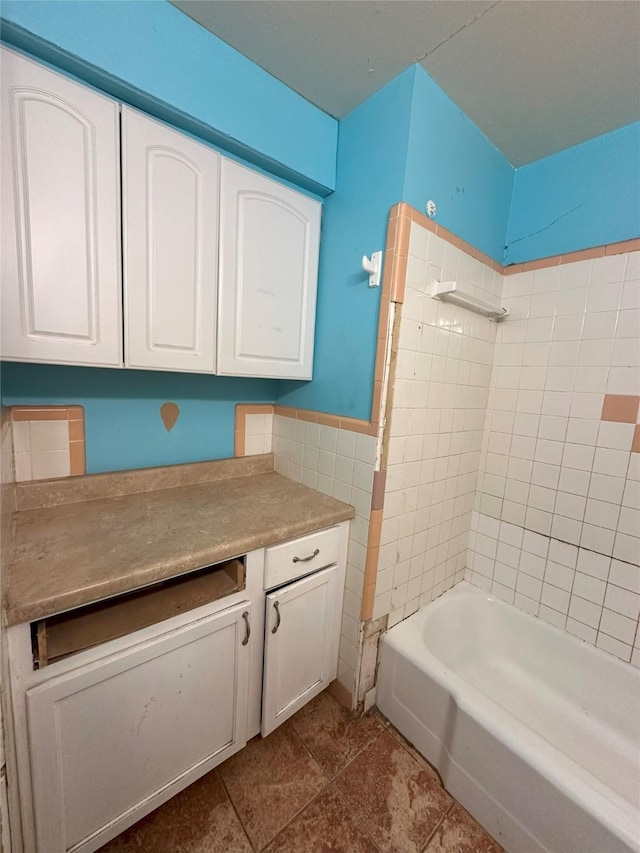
{"points": [[558, 506], [437, 405], [509, 454]]}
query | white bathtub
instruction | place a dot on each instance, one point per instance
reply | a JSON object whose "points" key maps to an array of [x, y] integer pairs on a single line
{"points": [[536, 733]]}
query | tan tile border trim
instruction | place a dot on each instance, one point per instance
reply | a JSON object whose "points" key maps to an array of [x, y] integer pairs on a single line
{"points": [[619, 248], [371, 564], [572, 257], [74, 415]]}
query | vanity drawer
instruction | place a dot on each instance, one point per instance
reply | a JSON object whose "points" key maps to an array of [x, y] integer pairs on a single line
{"points": [[301, 556]]}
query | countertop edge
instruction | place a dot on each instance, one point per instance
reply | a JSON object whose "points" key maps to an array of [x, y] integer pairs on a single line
{"points": [[20, 614]]}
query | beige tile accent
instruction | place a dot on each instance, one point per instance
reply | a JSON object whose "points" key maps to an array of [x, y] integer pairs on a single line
{"points": [[542, 263], [371, 562], [584, 255], [635, 447], [77, 462], [239, 442], [377, 497], [40, 413], [619, 248], [620, 408], [624, 246]]}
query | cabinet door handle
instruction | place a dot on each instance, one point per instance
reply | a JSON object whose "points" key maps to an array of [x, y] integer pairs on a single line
{"points": [[306, 559], [276, 607], [247, 624]]}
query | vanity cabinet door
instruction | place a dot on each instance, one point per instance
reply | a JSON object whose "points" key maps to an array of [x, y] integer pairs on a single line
{"points": [[170, 219], [60, 166], [112, 740], [269, 239], [302, 631]]}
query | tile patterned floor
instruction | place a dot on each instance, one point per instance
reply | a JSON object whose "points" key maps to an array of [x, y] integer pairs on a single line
{"points": [[321, 783]]}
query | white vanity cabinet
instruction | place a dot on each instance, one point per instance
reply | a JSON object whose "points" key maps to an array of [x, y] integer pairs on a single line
{"points": [[60, 166], [302, 622], [269, 243], [170, 246], [108, 733], [133, 728]]}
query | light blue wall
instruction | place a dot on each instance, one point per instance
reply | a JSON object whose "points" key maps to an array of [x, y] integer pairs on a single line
{"points": [[122, 410], [452, 162], [149, 54], [372, 147], [585, 196], [408, 142]]}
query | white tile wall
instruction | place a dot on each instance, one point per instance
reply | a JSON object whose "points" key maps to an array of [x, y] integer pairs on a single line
{"points": [[340, 463], [589, 594], [258, 434], [550, 467], [442, 377], [41, 449]]}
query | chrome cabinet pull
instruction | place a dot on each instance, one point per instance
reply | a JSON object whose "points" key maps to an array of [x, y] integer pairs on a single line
{"points": [[245, 616], [276, 607], [306, 559]]}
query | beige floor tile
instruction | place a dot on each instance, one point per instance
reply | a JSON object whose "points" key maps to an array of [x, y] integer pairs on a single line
{"points": [[398, 800], [270, 781], [325, 826], [331, 734]]}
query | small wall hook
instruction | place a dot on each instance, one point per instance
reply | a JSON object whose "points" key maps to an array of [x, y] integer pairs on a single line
{"points": [[373, 267]]}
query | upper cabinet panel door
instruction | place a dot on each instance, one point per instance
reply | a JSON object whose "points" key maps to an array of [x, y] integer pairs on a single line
{"points": [[269, 239], [61, 293], [170, 215]]}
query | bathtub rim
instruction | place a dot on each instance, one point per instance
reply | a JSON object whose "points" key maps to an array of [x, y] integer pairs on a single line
{"points": [[578, 784]]}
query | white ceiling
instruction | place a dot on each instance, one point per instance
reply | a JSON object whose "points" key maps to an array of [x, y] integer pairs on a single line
{"points": [[537, 76]]}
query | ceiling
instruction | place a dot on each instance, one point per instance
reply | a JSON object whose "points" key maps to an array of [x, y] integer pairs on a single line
{"points": [[537, 76]]}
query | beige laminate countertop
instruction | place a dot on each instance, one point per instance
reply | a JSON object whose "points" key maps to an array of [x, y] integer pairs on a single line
{"points": [[71, 554]]}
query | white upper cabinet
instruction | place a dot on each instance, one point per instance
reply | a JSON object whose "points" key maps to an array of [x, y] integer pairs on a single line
{"points": [[170, 217], [61, 295], [269, 239], [220, 263]]}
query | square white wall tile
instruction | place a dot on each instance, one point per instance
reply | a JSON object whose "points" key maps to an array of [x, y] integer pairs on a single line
{"points": [[41, 449]]}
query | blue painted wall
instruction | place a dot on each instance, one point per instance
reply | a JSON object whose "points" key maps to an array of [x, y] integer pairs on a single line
{"points": [[408, 142], [452, 162], [582, 197], [372, 150], [122, 410], [151, 55]]}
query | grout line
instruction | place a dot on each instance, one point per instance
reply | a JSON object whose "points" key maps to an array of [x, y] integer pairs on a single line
{"points": [[312, 800], [440, 822], [358, 820], [233, 805]]}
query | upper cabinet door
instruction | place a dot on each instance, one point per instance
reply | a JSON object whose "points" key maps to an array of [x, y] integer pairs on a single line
{"points": [[170, 191], [269, 238], [61, 295]]}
